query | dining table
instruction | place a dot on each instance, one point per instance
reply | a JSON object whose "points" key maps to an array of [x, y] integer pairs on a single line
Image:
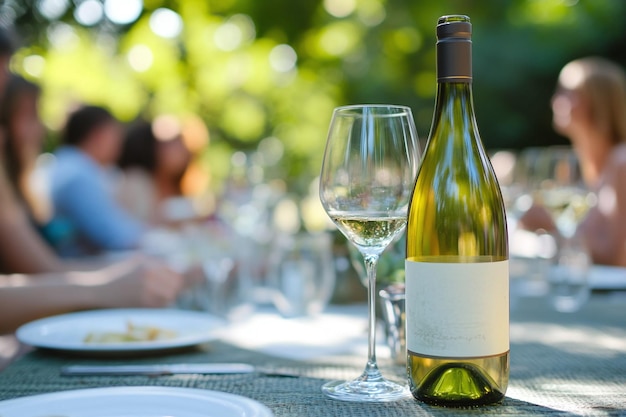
{"points": [[561, 364]]}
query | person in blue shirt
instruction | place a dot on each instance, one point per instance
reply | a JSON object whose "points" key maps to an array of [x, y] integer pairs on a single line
{"points": [[87, 217]]}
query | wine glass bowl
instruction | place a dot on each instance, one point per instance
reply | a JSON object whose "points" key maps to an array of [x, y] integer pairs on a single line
{"points": [[560, 189], [368, 173]]}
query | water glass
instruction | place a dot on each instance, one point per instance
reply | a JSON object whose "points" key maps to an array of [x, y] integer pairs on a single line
{"points": [[392, 299], [219, 257], [568, 280], [531, 257], [302, 273]]}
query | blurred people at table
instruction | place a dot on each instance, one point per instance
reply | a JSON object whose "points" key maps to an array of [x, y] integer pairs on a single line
{"points": [[34, 282], [154, 159], [589, 108], [82, 194]]}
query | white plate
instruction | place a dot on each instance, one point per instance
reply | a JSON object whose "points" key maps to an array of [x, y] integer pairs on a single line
{"points": [[603, 277], [68, 331], [134, 402]]}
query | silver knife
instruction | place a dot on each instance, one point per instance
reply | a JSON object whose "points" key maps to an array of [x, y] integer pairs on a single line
{"points": [[160, 369]]}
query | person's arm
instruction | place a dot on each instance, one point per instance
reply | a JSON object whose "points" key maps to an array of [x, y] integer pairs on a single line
{"points": [[97, 215], [604, 228], [21, 249], [28, 297], [537, 218], [134, 283]]}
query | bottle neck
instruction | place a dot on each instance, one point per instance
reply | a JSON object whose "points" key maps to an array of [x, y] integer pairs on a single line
{"points": [[454, 117], [454, 106], [454, 133]]}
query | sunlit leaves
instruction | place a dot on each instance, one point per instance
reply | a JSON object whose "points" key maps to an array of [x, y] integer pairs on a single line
{"points": [[89, 12], [424, 85], [234, 33], [155, 63], [243, 117], [335, 40], [404, 40], [253, 69], [79, 72], [52, 9], [166, 23], [122, 12], [339, 8], [165, 55], [545, 11], [371, 12]]}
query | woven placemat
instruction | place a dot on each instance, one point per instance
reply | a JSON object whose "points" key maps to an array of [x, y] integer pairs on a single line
{"points": [[560, 365]]}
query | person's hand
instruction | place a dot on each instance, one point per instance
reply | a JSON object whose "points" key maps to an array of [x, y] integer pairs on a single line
{"points": [[194, 276], [537, 218], [139, 283], [159, 285]]}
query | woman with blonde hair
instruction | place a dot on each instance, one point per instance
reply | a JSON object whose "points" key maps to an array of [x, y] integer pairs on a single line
{"points": [[589, 108]]}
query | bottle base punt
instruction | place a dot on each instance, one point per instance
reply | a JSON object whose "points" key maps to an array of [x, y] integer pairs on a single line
{"points": [[449, 383]]}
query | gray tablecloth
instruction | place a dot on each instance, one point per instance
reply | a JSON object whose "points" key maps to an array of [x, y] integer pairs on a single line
{"points": [[561, 364]]}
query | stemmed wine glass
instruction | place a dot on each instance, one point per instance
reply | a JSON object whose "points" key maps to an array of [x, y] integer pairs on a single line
{"points": [[561, 190], [368, 174]]}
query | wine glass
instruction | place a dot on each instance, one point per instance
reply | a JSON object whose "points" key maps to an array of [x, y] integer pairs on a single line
{"points": [[561, 189], [367, 178]]}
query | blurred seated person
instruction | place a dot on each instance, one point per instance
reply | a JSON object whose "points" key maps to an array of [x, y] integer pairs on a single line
{"points": [[24, 136], [84, 204], [20, 148], [589, 108], [35, 283], [154, 159]]}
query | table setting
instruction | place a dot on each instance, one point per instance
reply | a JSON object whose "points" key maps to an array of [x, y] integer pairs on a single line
{"points": [[288, 358], [561, 364], [524, 313], [281, 360]]}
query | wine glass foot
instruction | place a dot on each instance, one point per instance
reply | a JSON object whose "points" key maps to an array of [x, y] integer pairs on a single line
{"points": [[365, 391]]}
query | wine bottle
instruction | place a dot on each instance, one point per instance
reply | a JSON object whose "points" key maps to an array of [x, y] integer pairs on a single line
{"points": [[457, 280]]}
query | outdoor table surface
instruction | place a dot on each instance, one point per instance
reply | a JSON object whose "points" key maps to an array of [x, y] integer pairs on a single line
{"points": [[561, 364]]}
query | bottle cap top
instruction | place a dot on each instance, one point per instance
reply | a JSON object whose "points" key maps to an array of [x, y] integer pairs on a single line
{"points": [[454, 49], [454, 26]]}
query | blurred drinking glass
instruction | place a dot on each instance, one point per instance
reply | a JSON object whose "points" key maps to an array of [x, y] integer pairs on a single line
{"points": [[227, 287], [302, 273], [394, 314], [560, 189], [568, 279]]}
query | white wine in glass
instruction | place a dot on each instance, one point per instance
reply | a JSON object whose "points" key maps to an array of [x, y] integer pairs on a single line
{"points": [[561, 190], [368, 172]]}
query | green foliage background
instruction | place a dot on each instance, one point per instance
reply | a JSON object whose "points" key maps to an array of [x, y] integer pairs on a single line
{"points": [[381, 51]]}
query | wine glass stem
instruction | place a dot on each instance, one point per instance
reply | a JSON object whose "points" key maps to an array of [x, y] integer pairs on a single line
{"points": [[371, 369]]}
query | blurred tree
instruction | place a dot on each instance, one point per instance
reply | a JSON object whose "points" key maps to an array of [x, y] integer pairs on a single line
{"points": [[267, 74]]}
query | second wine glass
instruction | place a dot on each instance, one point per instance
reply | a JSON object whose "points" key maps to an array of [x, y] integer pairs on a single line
{"points": [[368, 173]]}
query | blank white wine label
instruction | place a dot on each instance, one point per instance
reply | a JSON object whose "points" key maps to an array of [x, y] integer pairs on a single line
{"points": [[457, 310]]}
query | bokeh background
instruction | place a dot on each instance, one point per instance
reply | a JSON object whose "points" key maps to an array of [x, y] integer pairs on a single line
{"points": [[262, 76]]}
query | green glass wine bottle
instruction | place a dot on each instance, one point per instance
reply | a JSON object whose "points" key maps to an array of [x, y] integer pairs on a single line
{"points": [[457, 279]]}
